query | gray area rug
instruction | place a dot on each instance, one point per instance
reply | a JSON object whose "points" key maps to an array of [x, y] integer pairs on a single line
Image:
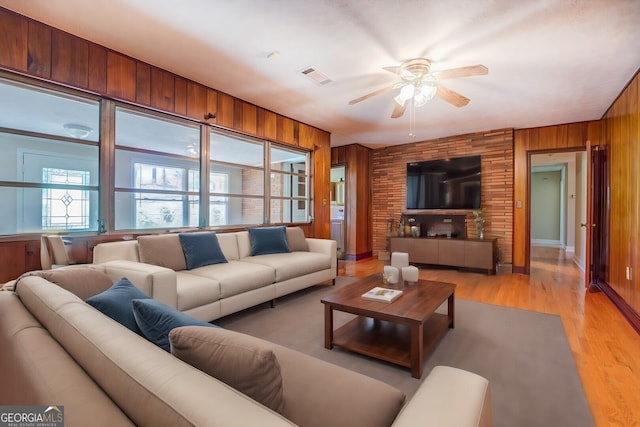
{"points": [[524, 354]]}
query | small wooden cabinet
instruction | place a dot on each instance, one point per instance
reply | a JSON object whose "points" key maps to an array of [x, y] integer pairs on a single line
{"points": [[479, 254]]}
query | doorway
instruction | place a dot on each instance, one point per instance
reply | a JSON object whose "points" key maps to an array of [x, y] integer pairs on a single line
{"points": [[338, 215], [558, 203]]}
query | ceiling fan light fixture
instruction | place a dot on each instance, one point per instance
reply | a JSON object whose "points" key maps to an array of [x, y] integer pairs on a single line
{"points": [[406, 93], [424, 95]]}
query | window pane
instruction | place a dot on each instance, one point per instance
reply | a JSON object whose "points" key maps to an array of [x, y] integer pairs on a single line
{"points": [[24, 157], [236, 211], [286, 185], [241, 180], [169, 175], [288, 161], [58, 114], [289, 210], [152, 210], [142, 131], [225, 148], [23, 210]]}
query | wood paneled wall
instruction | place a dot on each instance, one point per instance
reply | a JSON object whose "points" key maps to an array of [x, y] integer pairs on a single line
{"points": [[565, 137], [358, 204], [496, 150], [34, 49], [621, 135]]}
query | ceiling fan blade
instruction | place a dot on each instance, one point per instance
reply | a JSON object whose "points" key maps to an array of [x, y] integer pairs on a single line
{"points": [[451, 97], [398, 110], [454, 73], [393, 69], [372, 94]]}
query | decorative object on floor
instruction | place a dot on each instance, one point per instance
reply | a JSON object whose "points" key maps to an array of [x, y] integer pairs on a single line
{"points": [[479, 220], [410, 274], [390, 275], [522, 353]]}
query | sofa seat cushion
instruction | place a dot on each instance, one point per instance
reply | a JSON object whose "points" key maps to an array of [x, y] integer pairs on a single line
{"points": [[236, 277], [293, 264], [241, 361], [195, 290]]}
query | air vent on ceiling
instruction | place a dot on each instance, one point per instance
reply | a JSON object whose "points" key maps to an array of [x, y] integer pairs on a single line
{"points": [[315, 76]]}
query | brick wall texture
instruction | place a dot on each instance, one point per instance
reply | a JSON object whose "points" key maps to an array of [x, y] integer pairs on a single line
{"points": [[496, 151]]}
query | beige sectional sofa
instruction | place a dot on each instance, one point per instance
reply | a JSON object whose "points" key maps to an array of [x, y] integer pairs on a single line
{"points": [[156, 264], [59, 350]]}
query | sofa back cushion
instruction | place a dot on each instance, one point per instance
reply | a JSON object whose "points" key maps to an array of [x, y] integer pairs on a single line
{"points": [[296, 240], [201, 249], [163, 250], [241, 361], [83, 282], [229, 245], [268, 240], [115, 302]]}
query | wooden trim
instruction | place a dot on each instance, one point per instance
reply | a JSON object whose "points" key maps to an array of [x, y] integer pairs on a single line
{"points": [[627, 311]]}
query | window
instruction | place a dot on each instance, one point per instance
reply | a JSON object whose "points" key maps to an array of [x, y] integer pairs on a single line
{"points": [[65, 209], [152, 168], [289, 186], [49, 168], [156, 171], [239, 197]]}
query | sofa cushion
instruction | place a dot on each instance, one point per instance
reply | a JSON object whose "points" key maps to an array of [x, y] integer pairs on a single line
{"points": [[229, 245], [201, 249], [83, 282], [196, 291], [296, 240], [115, 302], [241, 361], [294, 264], [268, 240], [237, 277], [156, 320], [163, 250]]}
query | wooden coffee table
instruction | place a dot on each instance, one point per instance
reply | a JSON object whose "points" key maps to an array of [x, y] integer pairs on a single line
{"points": [[401, 332]]}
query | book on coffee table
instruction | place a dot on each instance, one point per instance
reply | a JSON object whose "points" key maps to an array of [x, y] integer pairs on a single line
{"points": [[382, 294]]}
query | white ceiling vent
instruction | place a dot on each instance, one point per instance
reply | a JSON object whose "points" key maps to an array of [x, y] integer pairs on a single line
{"points": [[315, 76]]}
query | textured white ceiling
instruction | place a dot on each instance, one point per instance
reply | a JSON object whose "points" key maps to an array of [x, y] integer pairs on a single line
{"points": [[549, 61]]}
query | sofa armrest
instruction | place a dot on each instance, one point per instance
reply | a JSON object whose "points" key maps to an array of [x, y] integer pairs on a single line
{"points": [[327, 247], [449, 397], [159, 283]]}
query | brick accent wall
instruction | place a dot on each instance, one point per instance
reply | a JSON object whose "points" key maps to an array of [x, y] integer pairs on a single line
{"points": [[496, 150]]}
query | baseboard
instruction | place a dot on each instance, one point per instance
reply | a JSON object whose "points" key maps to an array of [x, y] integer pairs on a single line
{"points": [[357, 257], [518, 269], [547, 243], [627, 311], [579, 263]]}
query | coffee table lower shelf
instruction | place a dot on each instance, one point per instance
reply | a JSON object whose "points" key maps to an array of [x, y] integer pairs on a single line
{"points": [[390, 341]]}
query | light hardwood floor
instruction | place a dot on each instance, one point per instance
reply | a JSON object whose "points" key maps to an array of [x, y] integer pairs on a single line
{"points": [[605, 347]]}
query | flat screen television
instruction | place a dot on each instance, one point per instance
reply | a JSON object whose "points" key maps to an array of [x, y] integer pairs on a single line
{"points": [[444, 183]]}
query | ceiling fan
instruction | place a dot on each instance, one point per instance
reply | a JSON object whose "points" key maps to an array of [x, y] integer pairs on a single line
{"points": [[419, 84]]}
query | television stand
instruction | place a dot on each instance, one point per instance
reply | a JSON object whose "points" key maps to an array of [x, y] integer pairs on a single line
{"points": [[476, 254]]}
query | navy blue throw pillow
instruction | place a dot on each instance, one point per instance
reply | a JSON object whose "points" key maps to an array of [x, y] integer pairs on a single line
{"points": [[156, 320], [268, 240], [115, 302], [201, 249]]}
